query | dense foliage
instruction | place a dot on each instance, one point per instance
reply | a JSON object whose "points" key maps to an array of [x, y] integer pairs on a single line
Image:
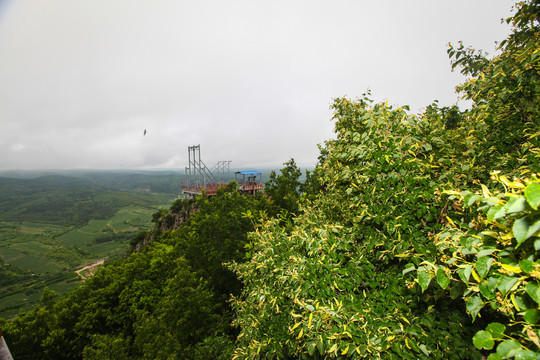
{"points": [[285, 188], [168, 301], [334, 283], [11, 274], [492, 260], [51, 226]]}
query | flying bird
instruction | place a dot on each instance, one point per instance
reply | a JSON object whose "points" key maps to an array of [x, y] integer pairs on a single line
{"points": [[144, 132]]}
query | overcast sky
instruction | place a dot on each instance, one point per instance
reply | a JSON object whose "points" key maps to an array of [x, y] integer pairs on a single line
{"points": [[250, 81]]}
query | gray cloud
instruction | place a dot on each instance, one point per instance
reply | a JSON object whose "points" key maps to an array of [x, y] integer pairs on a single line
{"points": [[250, 81]]}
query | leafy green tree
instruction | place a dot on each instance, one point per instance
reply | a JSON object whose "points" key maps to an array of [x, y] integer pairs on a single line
{"points": [[285, 189], [335, 284], [313, 185], [25, 334], [331, 284], [166, 301], [107, 347], [488, 254], [505, 92], [217, 234], [492, 263], [185, 314]]}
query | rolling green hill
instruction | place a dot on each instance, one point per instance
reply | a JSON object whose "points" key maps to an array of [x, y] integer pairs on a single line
{"points": [[65, 200], [53, 224], [168, 182]]}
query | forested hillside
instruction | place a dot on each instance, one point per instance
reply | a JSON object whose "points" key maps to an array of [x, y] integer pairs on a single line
{"points": [[53, 225], [168, 300], [65, 200], [416, 237], [423, 242], [169, 182]]}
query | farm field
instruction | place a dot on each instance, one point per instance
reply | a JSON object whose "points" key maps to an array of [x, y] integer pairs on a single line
{"points": [[41, 248]]}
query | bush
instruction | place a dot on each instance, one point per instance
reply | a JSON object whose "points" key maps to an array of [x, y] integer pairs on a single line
{"points": [[491, 261]]}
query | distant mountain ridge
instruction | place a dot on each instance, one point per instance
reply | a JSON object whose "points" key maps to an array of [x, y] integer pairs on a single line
{"points": [[47, 182], [163, 181], [64, 199]]}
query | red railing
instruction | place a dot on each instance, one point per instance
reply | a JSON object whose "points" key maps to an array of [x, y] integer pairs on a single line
{"points": [[251, 187], [209, 189]]}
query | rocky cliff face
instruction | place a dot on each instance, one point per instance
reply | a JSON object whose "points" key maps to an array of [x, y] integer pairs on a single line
{"points": [[167, 220]]}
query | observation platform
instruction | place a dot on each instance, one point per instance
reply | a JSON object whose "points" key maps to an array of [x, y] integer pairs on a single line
{"points": [[209, 189], [249, 181], [201, 180]]}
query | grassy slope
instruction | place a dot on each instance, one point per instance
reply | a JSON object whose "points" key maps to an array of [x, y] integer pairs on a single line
{"points": [[53, 224]]}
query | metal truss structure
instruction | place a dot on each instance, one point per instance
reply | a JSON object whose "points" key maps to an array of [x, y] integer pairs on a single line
{"points": [[200, 178], [221, 170]]}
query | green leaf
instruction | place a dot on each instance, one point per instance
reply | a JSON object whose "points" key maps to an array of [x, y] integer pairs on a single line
{"points": [[508, 348], [474, 304], [413, 346], [311, 347], [486, 291], [408, 268], [470, 199], [468, 245], [506, 283], [534, 291], [485, 252], [496, 212], [532, 193], [424, 277], [533, 229], [524, 228], [465, 273], [494, 356], [516, 205], [520, 230], [483, 264], [442, 278], [397, 348], [483, 340], [496, 330], [532, 316], [424, 349], [320, 347], [492, 283], [456, 291], [525, 354], [526, 265], [519, 302]]}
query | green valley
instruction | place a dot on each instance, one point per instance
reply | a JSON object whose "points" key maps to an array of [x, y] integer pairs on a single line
{"points": [[54, 224]]}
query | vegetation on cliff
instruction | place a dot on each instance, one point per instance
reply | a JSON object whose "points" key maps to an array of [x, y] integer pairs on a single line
{"points": [[168, 300], [350, 276]]}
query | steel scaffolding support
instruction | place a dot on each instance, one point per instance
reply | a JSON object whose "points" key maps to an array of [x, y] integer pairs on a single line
{"points": [[197, 173], [200, 177], [221, 168]]}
